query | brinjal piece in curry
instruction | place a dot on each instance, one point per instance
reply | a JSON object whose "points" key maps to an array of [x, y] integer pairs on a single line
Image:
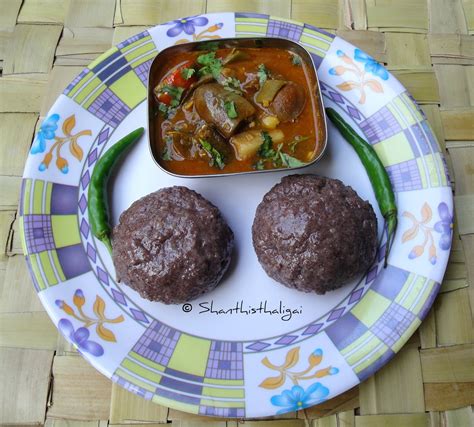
{"points": [[237, 110]]}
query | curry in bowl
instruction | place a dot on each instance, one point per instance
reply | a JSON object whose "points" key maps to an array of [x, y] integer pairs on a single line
{"points": [[235, 106]]}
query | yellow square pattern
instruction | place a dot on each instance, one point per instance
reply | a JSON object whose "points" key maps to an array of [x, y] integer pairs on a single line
{"points": [[370, 308], [394, 150], [65, 230], [129, 89], [190, 355]]}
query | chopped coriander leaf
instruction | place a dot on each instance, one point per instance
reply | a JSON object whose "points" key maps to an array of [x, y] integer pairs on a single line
{"points": [[297, 139], [296, 60], [230, 109], [165, 155], [266, 149], [206, 58], [260, 165], [217, 159], [210, 64], [277, 157], [174, 91], [167, 150], [163, 108], [262, 74], [187, 73]]}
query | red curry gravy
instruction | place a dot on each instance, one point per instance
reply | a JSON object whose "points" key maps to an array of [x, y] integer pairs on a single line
{"points": [[199, 98]]}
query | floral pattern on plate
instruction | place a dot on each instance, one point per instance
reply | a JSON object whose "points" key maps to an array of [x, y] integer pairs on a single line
{"points": [[188, 26], [297, 398], [361, 82], [47, 133], [421, 227], [88, 320]]}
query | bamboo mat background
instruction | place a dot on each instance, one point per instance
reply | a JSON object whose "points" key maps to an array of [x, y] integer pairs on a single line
{"points": [[428, 45]]}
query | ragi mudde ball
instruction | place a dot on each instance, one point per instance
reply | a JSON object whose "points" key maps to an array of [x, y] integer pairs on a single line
{"points": [[172, 246], [314, 234]]}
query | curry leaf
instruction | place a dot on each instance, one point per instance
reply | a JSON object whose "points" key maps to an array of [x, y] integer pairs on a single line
{"points": [[217, 159], [289, 161], [297, 139], [279, 159]]}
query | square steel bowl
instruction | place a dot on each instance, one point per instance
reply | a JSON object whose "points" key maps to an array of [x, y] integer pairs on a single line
{"points": [[158, 70]]}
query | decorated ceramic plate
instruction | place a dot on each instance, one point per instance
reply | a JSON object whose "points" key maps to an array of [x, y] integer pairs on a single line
{"points": [[252, 347]]}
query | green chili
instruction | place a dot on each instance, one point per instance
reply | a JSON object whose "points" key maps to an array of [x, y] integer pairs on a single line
{"points": [[377, 174], [97, 200]]}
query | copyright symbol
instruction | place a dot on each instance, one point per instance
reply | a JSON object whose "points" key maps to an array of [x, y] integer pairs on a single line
{"points": [[187, 308]]}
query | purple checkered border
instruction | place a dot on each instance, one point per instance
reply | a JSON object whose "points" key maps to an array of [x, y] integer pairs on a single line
{"points": [[157, 343], [225, 361], [38, 233]]}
